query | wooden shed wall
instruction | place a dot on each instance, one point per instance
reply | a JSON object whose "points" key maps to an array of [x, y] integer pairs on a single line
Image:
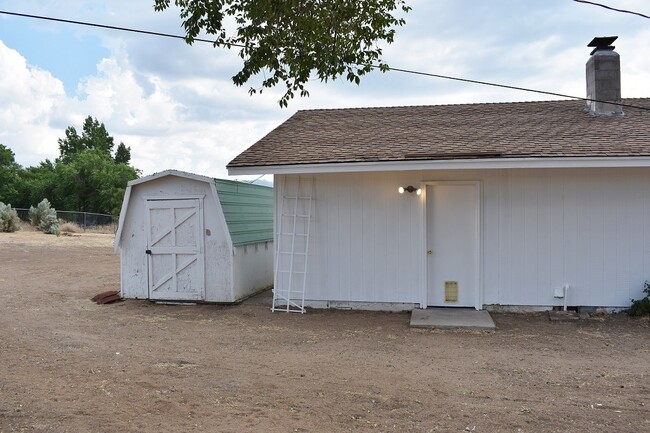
{"points": [[252, 268], [218, 251], [541, 229]]}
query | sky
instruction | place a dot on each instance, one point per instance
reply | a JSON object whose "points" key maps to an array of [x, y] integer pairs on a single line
{"points": [[175, 104]]}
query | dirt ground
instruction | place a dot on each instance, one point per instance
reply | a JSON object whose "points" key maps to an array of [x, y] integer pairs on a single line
{"points": [[69, 365]]}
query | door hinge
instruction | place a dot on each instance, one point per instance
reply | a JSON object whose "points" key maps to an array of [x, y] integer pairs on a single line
{"points": [[148, 251]]}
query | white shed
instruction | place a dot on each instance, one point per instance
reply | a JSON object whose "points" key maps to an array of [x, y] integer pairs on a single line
{"points": [[185, 237]]}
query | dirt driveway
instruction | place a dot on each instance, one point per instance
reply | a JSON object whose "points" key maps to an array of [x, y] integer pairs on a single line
{"points": [[69, 365]]}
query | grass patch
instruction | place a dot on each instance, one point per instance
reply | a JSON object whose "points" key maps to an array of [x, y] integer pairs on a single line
{"points": [[68, 227]]}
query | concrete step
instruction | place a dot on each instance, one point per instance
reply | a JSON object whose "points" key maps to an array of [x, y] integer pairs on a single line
{"points": [[451, 318]]}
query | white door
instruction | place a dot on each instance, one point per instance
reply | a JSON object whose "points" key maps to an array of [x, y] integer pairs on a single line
{"points": [[175, 250], [452, 213]]}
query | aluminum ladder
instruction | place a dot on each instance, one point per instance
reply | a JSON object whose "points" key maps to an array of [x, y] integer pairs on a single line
{"points": [[292, 244]]}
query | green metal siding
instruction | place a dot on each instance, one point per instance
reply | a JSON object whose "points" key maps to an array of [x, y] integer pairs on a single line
{"points": [[248, 210]]}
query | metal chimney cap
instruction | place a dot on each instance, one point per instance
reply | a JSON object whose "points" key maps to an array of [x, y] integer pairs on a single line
{"points": [[603, 43]]}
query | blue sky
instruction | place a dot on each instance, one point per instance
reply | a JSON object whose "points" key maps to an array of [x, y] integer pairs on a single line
{"points": [[176, 107], [49, 52]]}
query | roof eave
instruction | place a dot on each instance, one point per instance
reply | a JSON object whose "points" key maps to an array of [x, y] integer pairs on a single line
{"points": [[170, 172], [447, 164]]}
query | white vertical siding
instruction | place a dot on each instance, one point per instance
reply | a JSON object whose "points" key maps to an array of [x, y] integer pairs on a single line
{"points": [[541, 229], [364, 233], [252, 269], [582, 227]]}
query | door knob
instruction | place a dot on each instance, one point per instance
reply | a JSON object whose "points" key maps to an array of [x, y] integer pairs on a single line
{"points": [[429, 252]]}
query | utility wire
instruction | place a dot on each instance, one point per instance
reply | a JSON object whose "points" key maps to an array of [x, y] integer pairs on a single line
{"points": [[123, 29], [612, 8], [406, 71], [505, 86]]}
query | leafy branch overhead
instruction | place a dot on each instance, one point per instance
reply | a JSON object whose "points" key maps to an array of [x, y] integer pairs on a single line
{"points": [[293, 39]]}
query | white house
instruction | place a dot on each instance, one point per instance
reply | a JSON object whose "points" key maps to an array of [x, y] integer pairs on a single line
{"points": [[185, 237], [507, 204]]}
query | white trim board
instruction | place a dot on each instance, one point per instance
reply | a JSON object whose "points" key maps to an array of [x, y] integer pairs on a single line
{"points": [[456, 164]]}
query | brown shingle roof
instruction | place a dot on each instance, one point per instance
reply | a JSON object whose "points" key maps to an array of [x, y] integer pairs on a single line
{"points": [[504, 130]]}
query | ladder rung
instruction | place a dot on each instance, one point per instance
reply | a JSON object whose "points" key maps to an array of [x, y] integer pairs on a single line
{"points": [[285, 300], [296, 309]]}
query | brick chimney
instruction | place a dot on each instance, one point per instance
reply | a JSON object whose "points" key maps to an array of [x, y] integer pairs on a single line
{"points": [[604, 78]]}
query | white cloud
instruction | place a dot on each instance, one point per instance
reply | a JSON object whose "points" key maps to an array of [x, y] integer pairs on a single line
{"points": [[28, 96], [635, 65]]}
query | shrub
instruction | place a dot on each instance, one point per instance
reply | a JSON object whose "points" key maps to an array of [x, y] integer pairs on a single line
{"points": [[9, 221], [641, 307], [43, 217]]}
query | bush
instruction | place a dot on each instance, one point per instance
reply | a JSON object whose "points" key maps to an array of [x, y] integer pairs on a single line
{"points": [[9, 221], [43, 217], [641, 307]]}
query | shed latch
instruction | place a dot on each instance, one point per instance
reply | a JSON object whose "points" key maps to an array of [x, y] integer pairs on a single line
{"points": [[148, 251]]}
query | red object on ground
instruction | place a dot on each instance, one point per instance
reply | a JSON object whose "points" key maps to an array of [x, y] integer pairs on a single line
{"points": [[106, 297]]}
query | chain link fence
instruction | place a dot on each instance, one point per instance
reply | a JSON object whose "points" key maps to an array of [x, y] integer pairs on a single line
{"points": [[85, 220]]}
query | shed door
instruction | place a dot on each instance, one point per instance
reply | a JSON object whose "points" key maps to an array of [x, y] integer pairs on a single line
{"points": [[175, 250], [452, 244]]}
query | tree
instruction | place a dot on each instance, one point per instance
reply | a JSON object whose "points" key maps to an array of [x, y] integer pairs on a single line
{"points": [[36, 183], [294, 38], [112, 180], [86, 176], [94, 136], [7, 156], [123, 154], [71, 144], [91, 181], [9, 176]]}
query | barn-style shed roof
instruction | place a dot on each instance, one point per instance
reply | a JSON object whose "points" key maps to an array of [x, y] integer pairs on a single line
{"points": [[492, 131]]}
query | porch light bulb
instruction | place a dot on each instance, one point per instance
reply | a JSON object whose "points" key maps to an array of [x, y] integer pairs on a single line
{"points": [[401, 190], [419, 191]]}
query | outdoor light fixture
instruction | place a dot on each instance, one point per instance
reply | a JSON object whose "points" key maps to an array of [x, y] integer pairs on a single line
{"points": [[410, 188]]}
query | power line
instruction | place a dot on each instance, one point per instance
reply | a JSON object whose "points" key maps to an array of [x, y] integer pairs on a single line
{"points": [[407, 71], [505, 86], [123, 29], [612, 8]]}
